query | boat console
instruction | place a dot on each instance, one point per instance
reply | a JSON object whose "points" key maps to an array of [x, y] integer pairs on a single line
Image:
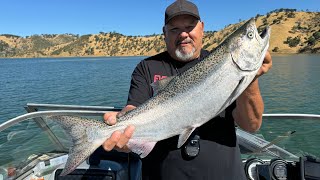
{"points": [[307, 168]]}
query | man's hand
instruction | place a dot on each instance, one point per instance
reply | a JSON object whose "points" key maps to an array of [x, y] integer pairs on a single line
{"points": [[266, 65], [118, 140]]}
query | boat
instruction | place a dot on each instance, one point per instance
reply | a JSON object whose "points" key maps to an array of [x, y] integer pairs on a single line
{"points": [[37, 149]]}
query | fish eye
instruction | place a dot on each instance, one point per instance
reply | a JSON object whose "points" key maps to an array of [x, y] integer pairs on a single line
{"points": [[250, 34]]}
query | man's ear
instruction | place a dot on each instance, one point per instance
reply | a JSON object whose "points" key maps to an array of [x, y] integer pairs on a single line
{"points": [[164, 32], [202, 24]]}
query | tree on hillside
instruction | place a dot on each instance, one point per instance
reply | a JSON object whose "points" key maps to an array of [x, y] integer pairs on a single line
{"points": [[316, 35], [264, 21], [96, 38], [283, 10], [3, 46], [10, 36], [89, 51], [275, 49], [292, 42], [313, 39], [291, 15], [257, 16], [276, 21], [268, 15]]}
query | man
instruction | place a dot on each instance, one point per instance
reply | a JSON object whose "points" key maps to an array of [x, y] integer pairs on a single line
{"points": [[219, 155]]}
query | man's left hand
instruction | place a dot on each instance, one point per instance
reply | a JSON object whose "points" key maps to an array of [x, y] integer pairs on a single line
{"points": [[266, 65]]}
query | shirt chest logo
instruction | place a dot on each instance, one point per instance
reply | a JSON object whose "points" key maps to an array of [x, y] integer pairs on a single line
{"points": [[158, 77]]}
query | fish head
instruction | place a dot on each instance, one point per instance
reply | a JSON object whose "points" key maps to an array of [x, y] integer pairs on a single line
{"points": [[247, 47]]}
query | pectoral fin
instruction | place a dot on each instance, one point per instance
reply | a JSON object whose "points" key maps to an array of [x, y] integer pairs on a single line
{"points": [[185, 135], [142, 148]]}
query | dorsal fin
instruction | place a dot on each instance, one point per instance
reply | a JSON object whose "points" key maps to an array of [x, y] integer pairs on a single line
{"points": [[161, 84]]}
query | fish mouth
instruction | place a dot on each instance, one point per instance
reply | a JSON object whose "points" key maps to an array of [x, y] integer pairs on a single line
{"points": [[264, 36], [264, 33]]}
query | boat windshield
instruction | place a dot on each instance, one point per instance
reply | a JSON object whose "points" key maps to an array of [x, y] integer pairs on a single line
{"points": [[25, 142]]}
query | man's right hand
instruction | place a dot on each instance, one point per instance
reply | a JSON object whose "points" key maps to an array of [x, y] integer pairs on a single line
{"points": [[118, 140]]}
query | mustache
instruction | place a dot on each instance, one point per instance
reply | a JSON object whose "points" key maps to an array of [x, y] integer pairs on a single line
{"points": [[188, 40]]}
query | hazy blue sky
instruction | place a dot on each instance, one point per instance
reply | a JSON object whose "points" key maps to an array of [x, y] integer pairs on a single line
{"points": [[135, 17]]}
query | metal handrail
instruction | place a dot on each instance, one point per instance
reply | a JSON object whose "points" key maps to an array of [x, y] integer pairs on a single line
{"points": [[292, 116], [72, 107], [38, 114]]}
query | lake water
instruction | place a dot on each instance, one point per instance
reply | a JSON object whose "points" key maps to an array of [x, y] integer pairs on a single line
{"points": [[292, 86]]}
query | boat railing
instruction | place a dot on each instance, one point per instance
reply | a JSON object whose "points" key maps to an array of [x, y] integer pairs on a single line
{"points": [[35, 107], [292, 116]]}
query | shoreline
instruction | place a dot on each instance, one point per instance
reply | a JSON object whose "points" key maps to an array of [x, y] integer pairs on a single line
{"points": [[128, 56]]}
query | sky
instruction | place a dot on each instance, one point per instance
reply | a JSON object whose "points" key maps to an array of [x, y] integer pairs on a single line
{"points": [[128, 17]]}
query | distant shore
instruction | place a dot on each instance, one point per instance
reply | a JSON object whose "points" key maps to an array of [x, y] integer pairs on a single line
{"points": [[291, 33]]}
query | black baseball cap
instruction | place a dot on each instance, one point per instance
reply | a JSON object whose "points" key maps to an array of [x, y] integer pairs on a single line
{"points": [[181, 7]]}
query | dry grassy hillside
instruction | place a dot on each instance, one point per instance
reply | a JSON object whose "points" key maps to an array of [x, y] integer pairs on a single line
{"points": [[292, 32]]}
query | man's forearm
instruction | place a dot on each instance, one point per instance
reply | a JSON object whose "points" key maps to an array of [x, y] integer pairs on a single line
{"points": [[250, 107]]}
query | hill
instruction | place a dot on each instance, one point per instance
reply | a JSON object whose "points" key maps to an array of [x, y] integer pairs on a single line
{"points": [[292, 32]]}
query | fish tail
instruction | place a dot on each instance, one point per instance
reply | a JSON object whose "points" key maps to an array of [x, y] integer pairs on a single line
{"points": [[86, 138]]}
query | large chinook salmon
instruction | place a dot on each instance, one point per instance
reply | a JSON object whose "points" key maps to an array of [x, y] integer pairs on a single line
{"points": [[182, 103]]}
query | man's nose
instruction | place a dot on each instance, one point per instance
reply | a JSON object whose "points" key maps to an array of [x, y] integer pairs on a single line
{"points": [[183, 34]]}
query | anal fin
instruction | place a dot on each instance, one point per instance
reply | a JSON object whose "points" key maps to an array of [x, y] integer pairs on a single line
{"points": [[185, 135], [142, 148]]}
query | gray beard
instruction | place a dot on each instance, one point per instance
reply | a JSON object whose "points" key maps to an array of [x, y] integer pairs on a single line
{"points": [[185, 56]]}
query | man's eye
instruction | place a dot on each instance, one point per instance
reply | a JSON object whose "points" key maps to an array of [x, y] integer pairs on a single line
{"points": [[174, 30], [190, 28]]}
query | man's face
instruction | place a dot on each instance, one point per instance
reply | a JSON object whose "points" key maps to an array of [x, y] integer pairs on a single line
{"points": [[183, 37]]}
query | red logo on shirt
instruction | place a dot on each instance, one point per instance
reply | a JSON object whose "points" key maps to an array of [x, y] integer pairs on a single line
{"points": [[158, 77]]}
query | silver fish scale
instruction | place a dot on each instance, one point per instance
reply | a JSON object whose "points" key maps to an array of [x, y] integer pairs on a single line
{"points": [[68, 121]]}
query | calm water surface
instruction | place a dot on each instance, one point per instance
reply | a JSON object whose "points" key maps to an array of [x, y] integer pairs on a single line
{"points": [[292, 86], [78, 81]]}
